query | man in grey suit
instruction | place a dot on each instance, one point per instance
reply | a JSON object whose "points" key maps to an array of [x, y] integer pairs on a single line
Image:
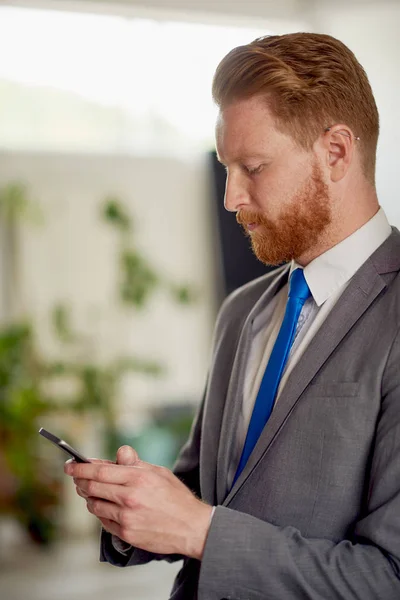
{"points": [[304, 501]]}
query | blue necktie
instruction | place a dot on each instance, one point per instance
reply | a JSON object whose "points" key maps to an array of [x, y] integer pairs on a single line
{"points": [[298, 294]]}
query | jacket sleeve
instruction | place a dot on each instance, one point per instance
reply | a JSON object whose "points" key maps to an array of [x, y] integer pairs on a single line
{"points": [[246, 558], [187, 469]]}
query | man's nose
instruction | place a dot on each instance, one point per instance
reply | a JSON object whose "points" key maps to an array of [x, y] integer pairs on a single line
{"points": [[236, 194]]}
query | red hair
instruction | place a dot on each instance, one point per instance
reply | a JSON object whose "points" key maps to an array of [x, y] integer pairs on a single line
{"points": [[310, 81]]}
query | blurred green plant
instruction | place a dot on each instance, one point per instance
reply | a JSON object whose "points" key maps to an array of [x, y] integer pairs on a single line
{"points": [[138, 278], [15, 205], [26, 376], [22, 402]]}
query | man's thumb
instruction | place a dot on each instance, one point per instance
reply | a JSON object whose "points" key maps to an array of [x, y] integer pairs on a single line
{"points": [[127, 456]]}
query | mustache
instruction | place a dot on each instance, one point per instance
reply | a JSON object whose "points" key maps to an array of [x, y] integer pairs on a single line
{"points": [[244, 218]]}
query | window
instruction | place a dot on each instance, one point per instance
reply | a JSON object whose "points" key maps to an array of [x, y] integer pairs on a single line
{"points": [[98, 83]]}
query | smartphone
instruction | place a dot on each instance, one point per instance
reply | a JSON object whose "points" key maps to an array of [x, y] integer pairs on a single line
{"points": [[64, 446]]}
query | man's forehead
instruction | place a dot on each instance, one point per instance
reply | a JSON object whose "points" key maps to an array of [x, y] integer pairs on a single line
{"points": [[244, 117], [253, 109], [237, 139], [247, 128]]}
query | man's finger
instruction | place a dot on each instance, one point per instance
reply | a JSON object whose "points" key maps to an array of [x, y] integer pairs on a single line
{"points": [[103, 509], [111, 527], [109, 472], [81, 493], [106, 473], [94, 461], [126, 455], [104, 491]]}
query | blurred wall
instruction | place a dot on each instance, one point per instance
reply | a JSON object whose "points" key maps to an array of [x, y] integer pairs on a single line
{"points": [[371, 30], [72, 257], [235, 11]]}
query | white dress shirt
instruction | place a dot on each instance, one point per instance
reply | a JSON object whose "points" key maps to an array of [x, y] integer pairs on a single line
{"points": [[327, 277]]}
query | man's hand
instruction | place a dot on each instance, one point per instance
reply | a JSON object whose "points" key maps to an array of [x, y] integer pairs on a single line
{"points": [[143, 504]]}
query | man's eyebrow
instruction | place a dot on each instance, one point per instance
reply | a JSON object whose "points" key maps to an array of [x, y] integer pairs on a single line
{"points": [[240, 159]]}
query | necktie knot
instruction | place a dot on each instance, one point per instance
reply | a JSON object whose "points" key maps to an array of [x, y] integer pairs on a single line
{"points": [[298, 287]]}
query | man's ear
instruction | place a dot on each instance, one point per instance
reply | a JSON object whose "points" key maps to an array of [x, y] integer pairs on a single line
{"points": [[339, 143]]}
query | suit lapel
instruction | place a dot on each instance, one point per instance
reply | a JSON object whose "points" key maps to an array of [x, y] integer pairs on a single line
{"points": [[234, 398], [358, 296]]}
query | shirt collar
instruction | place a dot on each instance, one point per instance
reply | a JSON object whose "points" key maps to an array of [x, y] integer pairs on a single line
{"points": [[327, 273]]}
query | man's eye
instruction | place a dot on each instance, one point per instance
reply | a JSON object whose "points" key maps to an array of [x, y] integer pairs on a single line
{"points": [[254, 170]]}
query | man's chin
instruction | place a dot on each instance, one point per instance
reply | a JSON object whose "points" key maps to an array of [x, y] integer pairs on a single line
{"points": [[272, 261], [271, 257]]}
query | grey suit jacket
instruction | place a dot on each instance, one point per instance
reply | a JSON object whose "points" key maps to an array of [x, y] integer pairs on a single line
{"points": [[315, 514]]}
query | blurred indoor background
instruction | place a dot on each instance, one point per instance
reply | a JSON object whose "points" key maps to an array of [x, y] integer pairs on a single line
{"points": [[115, 251]]}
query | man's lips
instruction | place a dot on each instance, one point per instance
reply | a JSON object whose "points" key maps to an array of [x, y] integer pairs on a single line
{"points": [[251, 226], [246, 223]]}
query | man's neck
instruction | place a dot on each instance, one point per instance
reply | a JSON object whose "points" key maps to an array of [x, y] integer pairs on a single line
{"points": [[343, 226]]}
